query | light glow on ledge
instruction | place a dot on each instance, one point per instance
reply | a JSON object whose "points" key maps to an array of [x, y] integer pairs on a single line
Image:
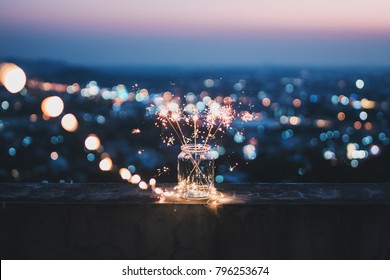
{"points": [[152, 182]]}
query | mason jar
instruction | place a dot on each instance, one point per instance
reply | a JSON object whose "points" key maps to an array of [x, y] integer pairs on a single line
{"points": [[195, 171]]}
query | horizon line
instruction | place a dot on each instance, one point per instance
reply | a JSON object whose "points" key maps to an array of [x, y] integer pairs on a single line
{"points": [[72, 64]]}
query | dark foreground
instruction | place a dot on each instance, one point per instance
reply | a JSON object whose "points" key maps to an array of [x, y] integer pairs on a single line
{"points": [[256, 221]]}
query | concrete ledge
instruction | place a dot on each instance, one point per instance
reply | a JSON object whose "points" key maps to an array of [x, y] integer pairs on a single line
{"points": [[248, 194], [260, 221]]}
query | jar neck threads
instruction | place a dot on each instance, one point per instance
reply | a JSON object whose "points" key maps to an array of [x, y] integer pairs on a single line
{"points": [[192, 148]]}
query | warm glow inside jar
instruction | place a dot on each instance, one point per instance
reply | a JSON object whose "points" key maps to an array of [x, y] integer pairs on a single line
{"points": [[195, 171]]}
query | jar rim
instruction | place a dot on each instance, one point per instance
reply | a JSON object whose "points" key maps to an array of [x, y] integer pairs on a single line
{"points": [[198, 148]]}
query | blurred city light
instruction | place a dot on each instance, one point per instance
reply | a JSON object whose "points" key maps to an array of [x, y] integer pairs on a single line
{"points": [[69, 122], [105, 164], [12, 77], [92, 142], [359, 84], [310, 123], [52, 106]]}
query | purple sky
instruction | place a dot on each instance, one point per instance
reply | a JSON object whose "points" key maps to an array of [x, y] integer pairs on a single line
{"points": [[202, 32]]}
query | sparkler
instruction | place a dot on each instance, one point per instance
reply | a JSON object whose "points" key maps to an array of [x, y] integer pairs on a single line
{"points": [[205, 125], [231, 168], [195, 129], [161, 171]]}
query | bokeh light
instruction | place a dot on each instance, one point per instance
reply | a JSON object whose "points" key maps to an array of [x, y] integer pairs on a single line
{"points": [[52, 106], [69, 123], [12, 77], [249, 152], [105, 164], [266, 102], [152, 182], [359, 84], [125, 173], [92, 142], [295, 120], [158, 191], [363, 115], [374, 150], [297, 103], [357, 125], [219, 179], [54, 155], [341, 116], [135, 179], [143, 186]]}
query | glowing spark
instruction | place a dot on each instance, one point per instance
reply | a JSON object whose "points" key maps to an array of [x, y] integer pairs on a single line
{"points": [[170, 141], [175, 116], [246, 116], [136, 131], [163, 170], [173, 107], [231, 168], [158, 191]]}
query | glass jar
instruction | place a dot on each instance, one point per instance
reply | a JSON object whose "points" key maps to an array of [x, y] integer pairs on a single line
{"points": [[195, 171]]}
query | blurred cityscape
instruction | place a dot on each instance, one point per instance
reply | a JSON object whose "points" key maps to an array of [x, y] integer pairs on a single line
{"points": [[78, 124]]}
